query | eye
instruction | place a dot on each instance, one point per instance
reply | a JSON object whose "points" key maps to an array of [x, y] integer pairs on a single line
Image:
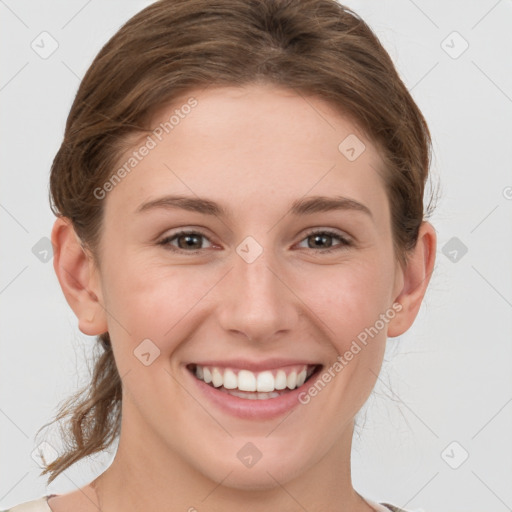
{"points": [[186, 240], [190, 241], [323, 236]]}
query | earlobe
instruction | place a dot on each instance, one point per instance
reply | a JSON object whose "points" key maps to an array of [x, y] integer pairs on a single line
{"points": [[416, 277], [78, 278]]}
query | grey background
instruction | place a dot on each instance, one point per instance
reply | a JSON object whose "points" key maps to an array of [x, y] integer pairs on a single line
{"points": [[447, 380]]}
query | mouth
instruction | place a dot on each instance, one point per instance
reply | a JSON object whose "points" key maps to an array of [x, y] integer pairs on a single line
{"points": [[251, 385]]}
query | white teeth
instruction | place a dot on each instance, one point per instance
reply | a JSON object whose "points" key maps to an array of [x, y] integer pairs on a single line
{"points": [[291, 381], [280, 382], [207, 376], [246, 381], [301, 378], [230, 380], [217, 379], [264, 383], [252, 396]]}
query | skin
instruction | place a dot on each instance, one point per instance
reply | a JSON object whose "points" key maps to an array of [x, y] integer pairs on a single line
{"points": [[254, 150]]}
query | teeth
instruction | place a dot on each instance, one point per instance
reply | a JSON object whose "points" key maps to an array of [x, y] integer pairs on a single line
{"points": [[207, 376], [230, 380], [253, 396], [280, 381], [247, 381], [217, 378], [301, 378], [291, 381], [265, 382]]}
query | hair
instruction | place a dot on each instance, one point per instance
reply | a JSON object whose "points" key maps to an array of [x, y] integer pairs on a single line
{"points": [[315, 47]]}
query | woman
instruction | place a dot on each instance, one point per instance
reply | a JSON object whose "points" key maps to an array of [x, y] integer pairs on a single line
{"points": [[239, 201]]}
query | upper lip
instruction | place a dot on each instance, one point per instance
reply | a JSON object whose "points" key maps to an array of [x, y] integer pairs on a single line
{"points": [[254, 366]]}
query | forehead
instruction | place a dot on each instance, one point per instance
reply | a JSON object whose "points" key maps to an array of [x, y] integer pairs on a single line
{"points": [[251, 146]]}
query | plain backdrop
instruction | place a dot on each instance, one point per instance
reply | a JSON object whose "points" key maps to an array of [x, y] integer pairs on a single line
{"points": [[438, 426]]}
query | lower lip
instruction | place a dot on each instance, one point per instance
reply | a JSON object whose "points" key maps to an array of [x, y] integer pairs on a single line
{"points": [[252, 409]]}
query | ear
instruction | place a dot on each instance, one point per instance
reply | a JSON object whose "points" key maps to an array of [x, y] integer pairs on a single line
{"points": [[414, 280], [78, 278]]}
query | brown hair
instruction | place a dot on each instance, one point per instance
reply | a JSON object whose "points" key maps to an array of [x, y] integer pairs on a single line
{"points": [[316, 47]]}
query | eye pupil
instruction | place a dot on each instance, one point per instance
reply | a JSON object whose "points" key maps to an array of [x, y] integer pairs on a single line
{"points": [[188, 242], [320, 237]]}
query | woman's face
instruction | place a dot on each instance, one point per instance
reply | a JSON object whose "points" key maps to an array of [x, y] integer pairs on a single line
{"points": [[252, 287]]}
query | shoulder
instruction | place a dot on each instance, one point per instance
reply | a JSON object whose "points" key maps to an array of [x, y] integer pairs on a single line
{"points": [[393, 508], [383, 507], [37, 505]]}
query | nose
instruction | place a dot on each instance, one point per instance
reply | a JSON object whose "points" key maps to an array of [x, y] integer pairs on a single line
{"points": [[257, 301]]}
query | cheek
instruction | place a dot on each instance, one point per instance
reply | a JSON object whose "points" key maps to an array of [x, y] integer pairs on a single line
{"points": [[156, 301], [349, 303], [350, 298], [146, 301], [148, 307]]}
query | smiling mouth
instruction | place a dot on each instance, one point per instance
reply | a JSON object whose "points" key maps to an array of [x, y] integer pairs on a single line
{"points": [[255, 385]]}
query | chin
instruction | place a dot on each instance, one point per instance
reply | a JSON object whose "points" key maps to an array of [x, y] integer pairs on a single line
{"points": [[262, 475], [259, 480]]}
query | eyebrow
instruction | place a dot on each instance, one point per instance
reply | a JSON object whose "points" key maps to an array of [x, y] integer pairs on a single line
{"points": [[304, 206]]}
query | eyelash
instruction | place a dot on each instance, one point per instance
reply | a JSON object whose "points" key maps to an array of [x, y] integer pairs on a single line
{"points": [[345, 241]]}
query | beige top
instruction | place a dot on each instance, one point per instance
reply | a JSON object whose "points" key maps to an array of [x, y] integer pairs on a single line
{"points": [[41, 505]]}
